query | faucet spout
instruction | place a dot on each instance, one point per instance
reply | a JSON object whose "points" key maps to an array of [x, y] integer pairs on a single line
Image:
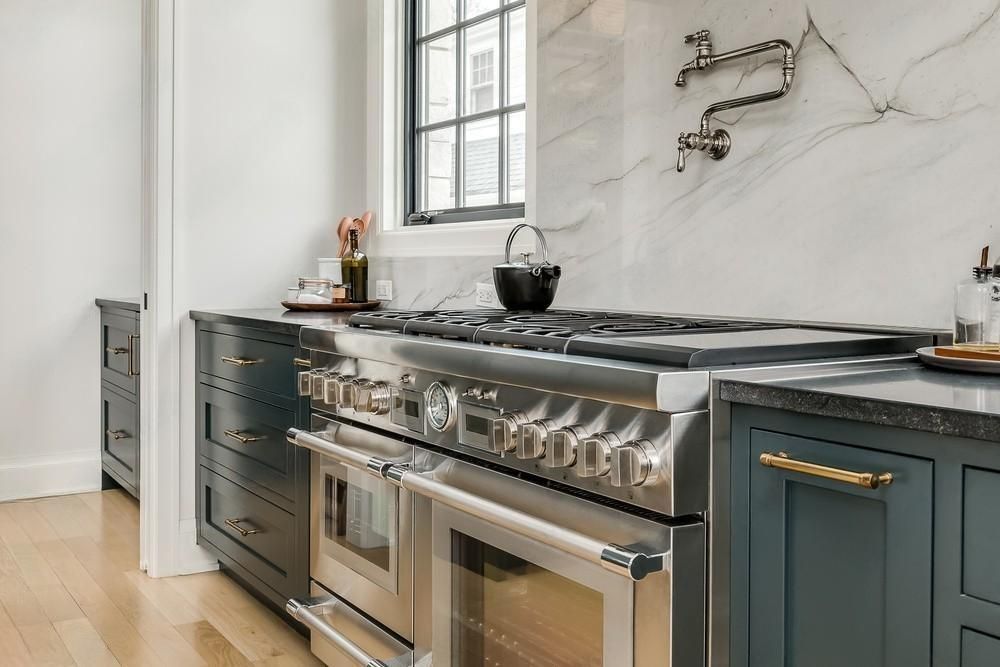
{"points": [[682, 75]]}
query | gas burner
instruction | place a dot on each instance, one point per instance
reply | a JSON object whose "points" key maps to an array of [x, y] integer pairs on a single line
{"points": [[639, 325], [530, 329], [554, 316]]}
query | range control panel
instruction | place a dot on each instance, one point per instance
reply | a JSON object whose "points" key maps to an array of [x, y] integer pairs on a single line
{"points": [[644, 457]]}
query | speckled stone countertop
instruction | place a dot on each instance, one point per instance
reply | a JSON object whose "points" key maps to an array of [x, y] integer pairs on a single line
{"points": [[277, 320], [127, 303], [904, 394]]}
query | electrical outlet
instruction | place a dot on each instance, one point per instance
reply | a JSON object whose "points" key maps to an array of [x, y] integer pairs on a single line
{"points": [[383, 290], [486, 296]]}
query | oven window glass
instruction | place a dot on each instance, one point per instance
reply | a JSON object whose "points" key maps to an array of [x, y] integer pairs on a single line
{"points": [[508, 611], [360, 517]]}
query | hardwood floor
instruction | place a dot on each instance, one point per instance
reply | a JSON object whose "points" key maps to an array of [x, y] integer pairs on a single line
{"points": [[71, 593]]}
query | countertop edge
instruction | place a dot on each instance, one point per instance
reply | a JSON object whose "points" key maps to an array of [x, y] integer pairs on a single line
{"points": [[910, 416], [273, 320], [134, 305]]}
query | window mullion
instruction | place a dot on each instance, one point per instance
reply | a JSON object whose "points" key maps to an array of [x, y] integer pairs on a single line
{"points": [[501, 103], [459, 112]]}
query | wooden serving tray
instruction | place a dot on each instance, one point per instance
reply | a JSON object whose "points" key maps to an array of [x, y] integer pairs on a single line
{"points": [[330, 307]]}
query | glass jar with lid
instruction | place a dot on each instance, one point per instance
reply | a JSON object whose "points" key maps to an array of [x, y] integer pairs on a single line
{"points": [[973, 318]]}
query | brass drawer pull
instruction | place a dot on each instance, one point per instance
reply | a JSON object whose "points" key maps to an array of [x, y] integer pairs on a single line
{"points": [[116, 350], [241, 436], [301, 363], [235, 525], [118, 435], [133, 367], [866, 480], [236, 361]]}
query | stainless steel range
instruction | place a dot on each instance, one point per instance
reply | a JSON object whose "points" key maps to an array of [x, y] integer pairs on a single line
{"points": [[492, 488]]}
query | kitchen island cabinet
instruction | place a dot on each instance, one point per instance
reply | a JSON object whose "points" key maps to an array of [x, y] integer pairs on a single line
{"points": [[825, 571]]}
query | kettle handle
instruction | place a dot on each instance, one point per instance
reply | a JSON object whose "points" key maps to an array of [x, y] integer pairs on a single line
{"points": [[538, 233]]}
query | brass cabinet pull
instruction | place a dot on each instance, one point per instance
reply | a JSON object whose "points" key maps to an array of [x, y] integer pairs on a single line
{"points": [[118, 435], [301, 363], [116, 350], [866, 480], [133, 368], [236, 361], [235, 525], [241, 436]]}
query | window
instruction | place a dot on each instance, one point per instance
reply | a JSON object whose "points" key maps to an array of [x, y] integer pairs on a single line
{"points": [[465, 143]]}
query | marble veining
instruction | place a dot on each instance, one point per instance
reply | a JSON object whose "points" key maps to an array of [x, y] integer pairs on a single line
{"points": [[862, 196]]}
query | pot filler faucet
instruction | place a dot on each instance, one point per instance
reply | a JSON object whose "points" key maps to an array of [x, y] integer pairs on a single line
{"points": [[717, 143]]}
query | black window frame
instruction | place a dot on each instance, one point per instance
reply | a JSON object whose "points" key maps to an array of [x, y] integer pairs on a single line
{"points": [[413, 130]]}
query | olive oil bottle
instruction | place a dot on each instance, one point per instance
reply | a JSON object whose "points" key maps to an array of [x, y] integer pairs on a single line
{"points": [[355, 269]]}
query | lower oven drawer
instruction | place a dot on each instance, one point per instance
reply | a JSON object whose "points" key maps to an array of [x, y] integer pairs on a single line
{"points": [[355, 628], [256, 534]]}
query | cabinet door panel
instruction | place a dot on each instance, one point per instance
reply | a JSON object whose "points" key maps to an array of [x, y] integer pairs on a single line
{"points": [[119, 351], [981, 535], [979, 650], [839, 574], [120, 439]]}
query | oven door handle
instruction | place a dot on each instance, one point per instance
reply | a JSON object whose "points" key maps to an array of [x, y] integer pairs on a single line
{"points": [[625, 561], [310, 613]]}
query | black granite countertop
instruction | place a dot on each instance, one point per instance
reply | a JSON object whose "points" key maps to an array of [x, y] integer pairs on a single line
{"points": [[128, 303], [903, 394], [277, 320]]}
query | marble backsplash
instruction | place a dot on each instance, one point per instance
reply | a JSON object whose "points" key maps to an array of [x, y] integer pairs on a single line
{"points": [[862, 196]]}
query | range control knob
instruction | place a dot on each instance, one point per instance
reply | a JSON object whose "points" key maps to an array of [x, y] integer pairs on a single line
{"points": [[503, 434], [305, 383], [349, 392], [331, 389], [373, 398], [595, 454], [318, 379], [561, 448], [635, 463], [531, 438]]}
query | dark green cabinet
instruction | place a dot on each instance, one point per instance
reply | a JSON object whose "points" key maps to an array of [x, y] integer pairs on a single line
{"points": [[253, 486], [839, 574], [120, 398], [826, 572]]}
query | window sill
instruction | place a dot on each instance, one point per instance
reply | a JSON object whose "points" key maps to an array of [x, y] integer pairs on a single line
{"points": [[463, 239]]}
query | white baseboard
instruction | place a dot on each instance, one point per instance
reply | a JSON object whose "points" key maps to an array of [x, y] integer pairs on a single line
{"points": [[40, 476]]}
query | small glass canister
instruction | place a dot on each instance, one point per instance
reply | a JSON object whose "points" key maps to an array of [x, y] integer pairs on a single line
{"points": [[315, 290]]}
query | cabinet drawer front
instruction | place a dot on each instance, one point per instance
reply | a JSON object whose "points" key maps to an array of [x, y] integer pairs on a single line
{"points": [[838, 574], [979, 650], [119, 351], [120, 436], [248, 437], [257, 363], [253, 532], [981, 534]]}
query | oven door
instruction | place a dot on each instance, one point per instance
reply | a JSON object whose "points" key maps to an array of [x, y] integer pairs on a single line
{"points": [[499, 596], [361, 527]]}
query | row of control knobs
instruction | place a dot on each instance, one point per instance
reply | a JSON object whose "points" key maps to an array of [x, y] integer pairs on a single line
{"points": [[632, 463], [344, 391]]}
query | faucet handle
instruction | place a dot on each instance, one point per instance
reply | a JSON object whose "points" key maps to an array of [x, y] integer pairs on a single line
{"points": [[697, 37], [681, 162]]}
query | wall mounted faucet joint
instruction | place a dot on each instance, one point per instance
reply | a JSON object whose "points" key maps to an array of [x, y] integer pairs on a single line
{"points": [[716, 143]]}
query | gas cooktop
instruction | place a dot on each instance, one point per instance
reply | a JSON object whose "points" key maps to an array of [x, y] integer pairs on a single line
{"points": [[657, 339]]}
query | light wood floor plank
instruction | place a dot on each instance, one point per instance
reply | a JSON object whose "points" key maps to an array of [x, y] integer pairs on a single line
{"points": [[85, 644], [54, 599], [212, 645], [71, 594], [45, 645], [152, 625]]}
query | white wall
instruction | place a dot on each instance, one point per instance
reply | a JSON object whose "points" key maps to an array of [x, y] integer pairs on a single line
{"points": [[69, 227], [269, 132]]}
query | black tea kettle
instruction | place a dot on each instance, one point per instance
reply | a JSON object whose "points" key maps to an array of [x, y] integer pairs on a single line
{"points": [[523, 285]]}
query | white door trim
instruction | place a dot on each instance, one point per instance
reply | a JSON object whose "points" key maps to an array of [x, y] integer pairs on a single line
{"points": [[166, 547]]}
